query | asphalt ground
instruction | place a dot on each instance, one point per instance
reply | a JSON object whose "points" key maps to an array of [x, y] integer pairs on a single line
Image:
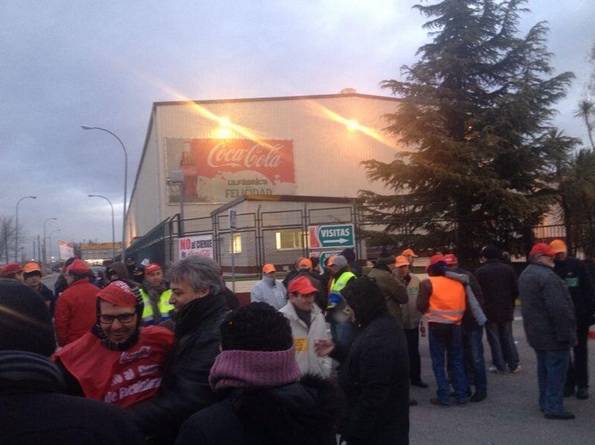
{"points": [[510, 414]]}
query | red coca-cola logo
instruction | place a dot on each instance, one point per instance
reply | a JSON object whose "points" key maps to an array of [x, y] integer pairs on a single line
{"points": [[256, 156], [272, 158]]}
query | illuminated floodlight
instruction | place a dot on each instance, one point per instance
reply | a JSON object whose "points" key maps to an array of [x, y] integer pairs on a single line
{"points": [[223, 132], [352, 125]]}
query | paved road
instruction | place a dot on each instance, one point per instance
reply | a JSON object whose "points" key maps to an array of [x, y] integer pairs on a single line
{"points": [[510, 414]]}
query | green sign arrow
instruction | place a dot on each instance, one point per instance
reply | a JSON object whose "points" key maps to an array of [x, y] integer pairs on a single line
{"points": [[335, 235]]}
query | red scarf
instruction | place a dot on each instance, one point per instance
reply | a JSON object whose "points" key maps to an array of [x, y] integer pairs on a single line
{"points": [[123, 378]]}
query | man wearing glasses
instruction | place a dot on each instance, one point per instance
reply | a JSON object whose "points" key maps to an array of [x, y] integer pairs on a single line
{"points": [[117, 361]]}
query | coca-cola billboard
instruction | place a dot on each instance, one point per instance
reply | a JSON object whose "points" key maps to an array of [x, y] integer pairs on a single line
{"points": [[219, 170]]}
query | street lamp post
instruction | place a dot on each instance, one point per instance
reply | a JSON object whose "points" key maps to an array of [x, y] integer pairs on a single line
{"points": [[50, 237], [44, 256], [87, 127], [16, 234], [113, 225]]}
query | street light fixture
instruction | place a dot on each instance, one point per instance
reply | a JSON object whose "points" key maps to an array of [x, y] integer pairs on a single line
{"points": [[113, 226], [16, 234], [87, 127], [50, 237], [44, 256]]}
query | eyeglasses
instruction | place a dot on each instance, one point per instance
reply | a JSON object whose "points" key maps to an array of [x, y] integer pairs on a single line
{"points": [[122, 318]]}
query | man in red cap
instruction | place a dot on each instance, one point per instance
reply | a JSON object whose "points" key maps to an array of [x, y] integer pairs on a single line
{"points": [[307, 325], [156, 296], [75, 309], [118, 361], [550, 325]]}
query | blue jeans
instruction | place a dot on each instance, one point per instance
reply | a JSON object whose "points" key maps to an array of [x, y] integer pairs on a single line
{"points": [[448, 339], [551, 373], [474, 361]]}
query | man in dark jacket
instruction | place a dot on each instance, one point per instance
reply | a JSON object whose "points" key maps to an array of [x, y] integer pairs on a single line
{"points": [[550, 325], [33, 406], [576, 277], [200, 307], [262, 401], [475, 368], [393, 290], [499, 286], [32, 278], [375, 371]]}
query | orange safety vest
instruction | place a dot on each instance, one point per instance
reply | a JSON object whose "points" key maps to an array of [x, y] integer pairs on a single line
{"points": [[447, 302]]}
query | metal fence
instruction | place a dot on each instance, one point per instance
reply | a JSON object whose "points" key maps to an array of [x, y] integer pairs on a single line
{"points": [[258, 231]]}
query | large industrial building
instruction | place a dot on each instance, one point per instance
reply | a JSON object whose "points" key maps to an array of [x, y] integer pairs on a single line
{"points": [[217, 151]]}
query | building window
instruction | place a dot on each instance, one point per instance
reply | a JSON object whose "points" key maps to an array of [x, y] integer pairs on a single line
{"points": [[237, 244], [289, 240]]}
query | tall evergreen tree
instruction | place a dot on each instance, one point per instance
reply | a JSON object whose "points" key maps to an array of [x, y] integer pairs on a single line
{"points": [[474, 112]]}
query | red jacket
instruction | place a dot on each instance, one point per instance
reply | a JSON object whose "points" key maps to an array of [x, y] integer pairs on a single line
{"points": [[75, 311], [120, 377]]}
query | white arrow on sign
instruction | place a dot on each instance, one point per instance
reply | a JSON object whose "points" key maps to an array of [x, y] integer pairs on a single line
{"points": [[335, 241]]}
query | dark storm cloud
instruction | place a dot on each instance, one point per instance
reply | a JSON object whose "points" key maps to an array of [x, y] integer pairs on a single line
{"points": [[64, 63]]}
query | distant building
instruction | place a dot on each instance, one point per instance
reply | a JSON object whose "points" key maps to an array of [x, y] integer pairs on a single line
{"points": [[96, 253]]}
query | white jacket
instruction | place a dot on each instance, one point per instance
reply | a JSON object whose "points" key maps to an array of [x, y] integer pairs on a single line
{"points": [[303, 339]]}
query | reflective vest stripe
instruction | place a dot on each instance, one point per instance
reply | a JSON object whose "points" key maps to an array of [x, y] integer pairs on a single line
{"points": [[164, 307], [340, 283]]}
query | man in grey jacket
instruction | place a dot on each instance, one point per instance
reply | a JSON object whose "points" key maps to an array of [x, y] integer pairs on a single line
{"points": [[550, 325]]}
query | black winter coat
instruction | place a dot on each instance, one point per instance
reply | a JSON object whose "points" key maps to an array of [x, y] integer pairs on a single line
{"points": [[303, 413], [375, 379], [548, 312], [185, 387], [577, 278], [499, 286], [34, 411]]}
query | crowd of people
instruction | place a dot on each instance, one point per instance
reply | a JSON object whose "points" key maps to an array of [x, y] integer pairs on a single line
{"points": [[325, 356]]}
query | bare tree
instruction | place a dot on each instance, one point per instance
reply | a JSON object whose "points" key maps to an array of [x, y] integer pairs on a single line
{"points": [[7, 234]]}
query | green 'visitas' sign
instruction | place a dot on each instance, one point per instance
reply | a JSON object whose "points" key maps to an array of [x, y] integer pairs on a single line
{"points": [[331, 235]]}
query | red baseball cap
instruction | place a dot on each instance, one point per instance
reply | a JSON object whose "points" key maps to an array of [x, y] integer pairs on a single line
{"points": [[540, 249], [436, 259], [301, 285], [118, 293], [151, 268], [11, 268], [79, 267], [451, 259]]}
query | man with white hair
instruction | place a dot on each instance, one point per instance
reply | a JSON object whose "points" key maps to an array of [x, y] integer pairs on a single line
{"points": [[550, 325], [197, 295]]}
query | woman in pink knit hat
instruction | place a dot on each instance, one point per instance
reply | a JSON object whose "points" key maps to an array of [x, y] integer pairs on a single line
{"points": [[263, 400]]}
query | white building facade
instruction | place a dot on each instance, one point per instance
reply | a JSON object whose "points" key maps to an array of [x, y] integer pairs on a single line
{"points": [[222, 150]]}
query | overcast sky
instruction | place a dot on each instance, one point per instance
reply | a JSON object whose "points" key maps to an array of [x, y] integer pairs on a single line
{"points": [[103, 63]]}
